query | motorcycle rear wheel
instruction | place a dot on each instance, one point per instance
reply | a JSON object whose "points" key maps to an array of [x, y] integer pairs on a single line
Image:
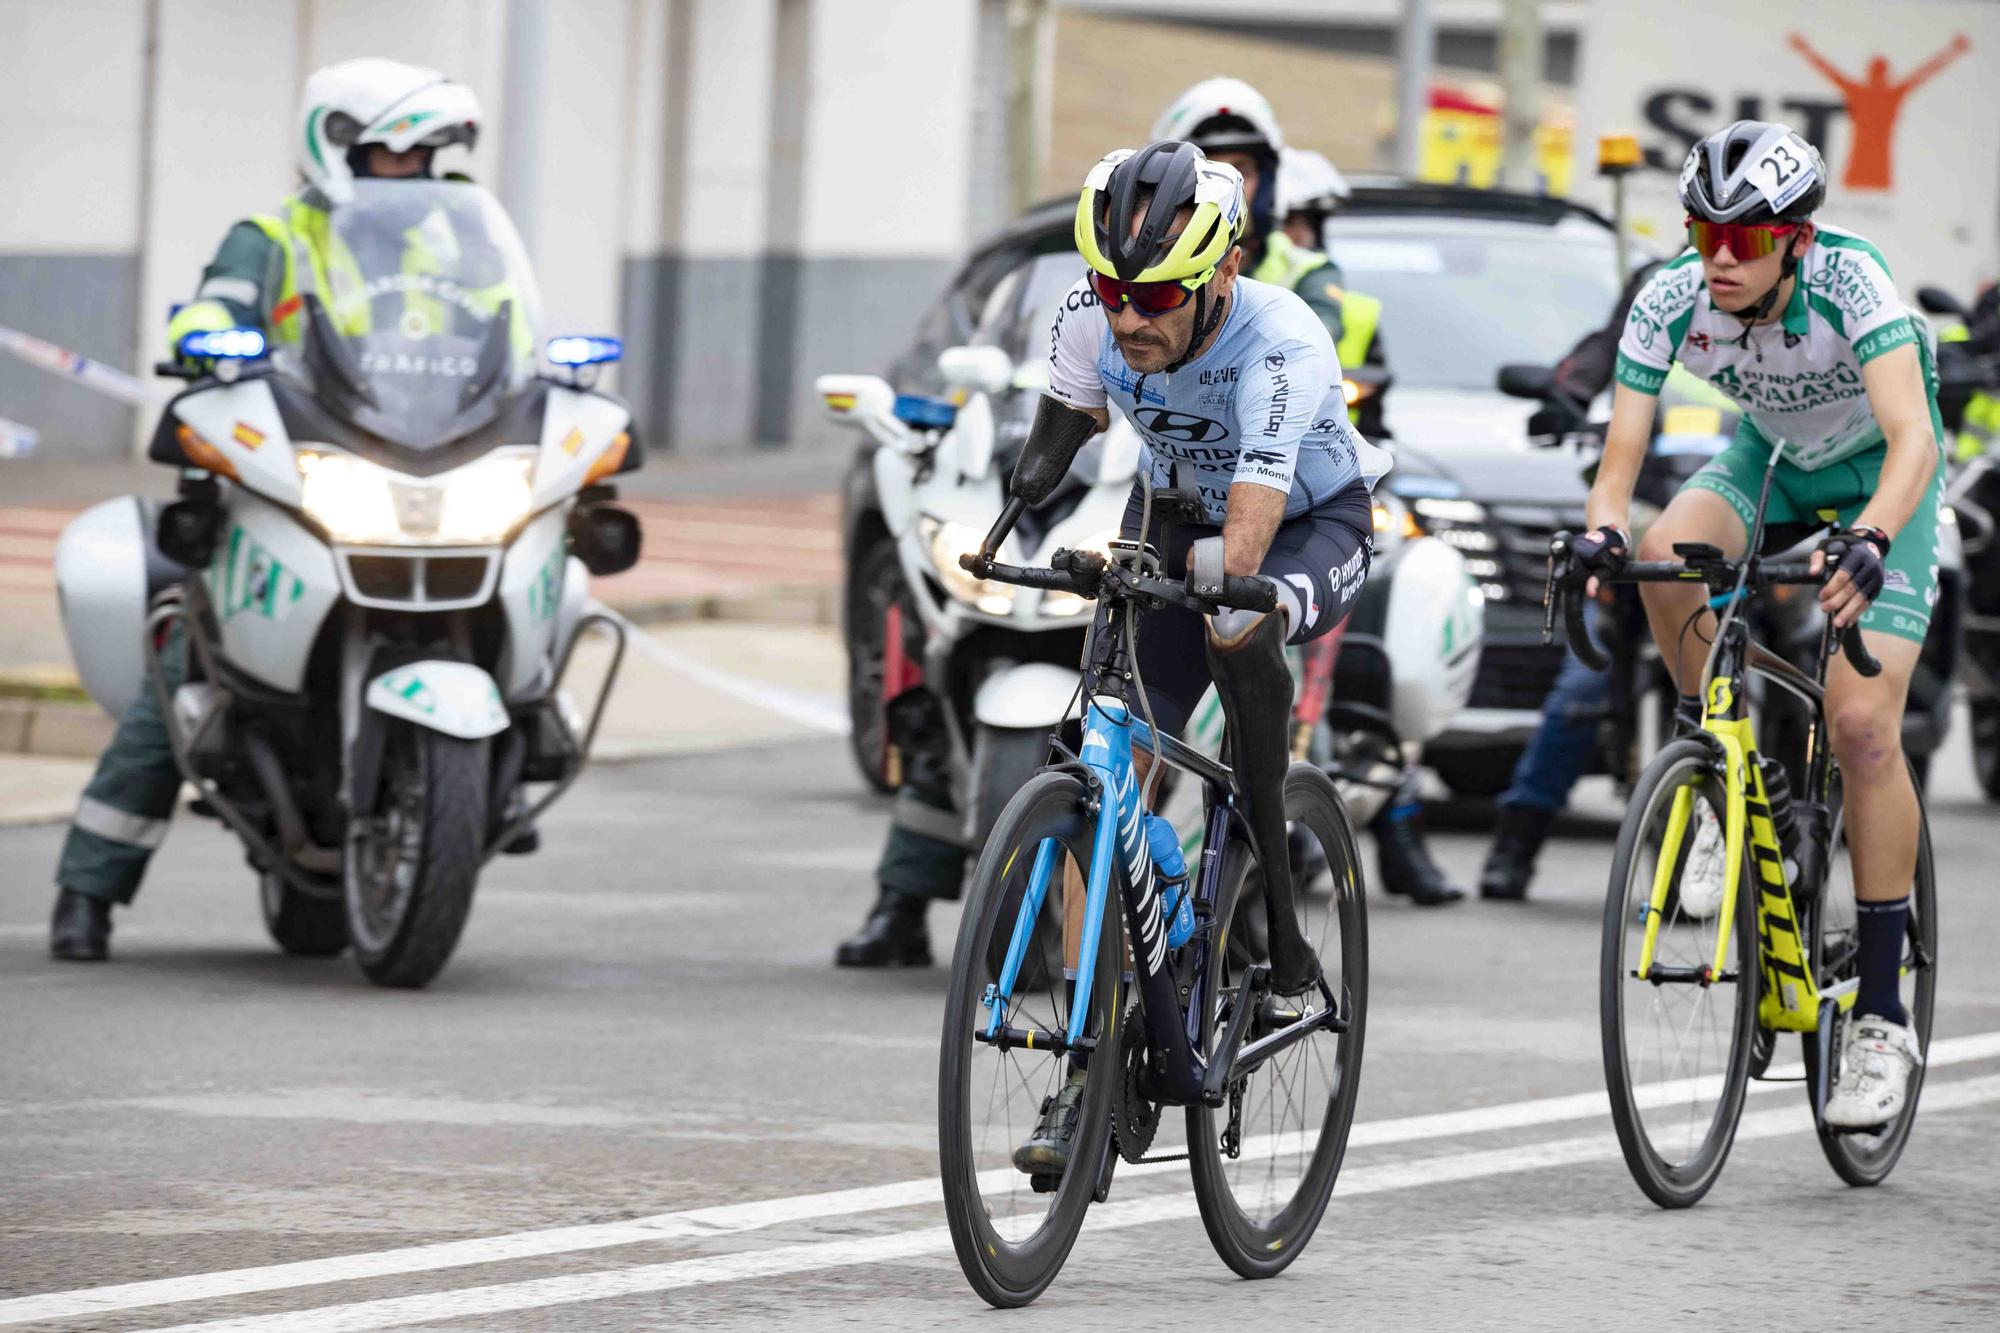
{"points": [[410, 868], [303, 927]]}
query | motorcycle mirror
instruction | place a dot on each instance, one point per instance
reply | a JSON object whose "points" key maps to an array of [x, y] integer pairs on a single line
{"points": [[1938, 301], [1526, 381], [986, 369]]}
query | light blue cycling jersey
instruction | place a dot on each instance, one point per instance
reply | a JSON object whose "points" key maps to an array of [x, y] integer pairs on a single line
{"points": [[1262, 405]]}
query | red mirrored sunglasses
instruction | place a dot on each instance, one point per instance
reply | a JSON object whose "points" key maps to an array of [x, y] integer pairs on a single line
{"points": [[1151, 299], [1751, 240]]}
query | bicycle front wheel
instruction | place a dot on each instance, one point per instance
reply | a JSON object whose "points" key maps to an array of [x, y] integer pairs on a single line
{"points": [[1678, 1042], [1013, 1229], [1264, 1162], [1867, 1159]]}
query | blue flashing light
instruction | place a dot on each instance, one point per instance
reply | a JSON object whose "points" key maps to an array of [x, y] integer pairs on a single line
{"points": [[585, 351], [925, 413], [224, 345]]}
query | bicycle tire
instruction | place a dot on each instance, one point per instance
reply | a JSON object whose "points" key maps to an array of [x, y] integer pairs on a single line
{"points": [[1867, 1159], [1262, 1249], [1666, 1183], [1004, 1272]]}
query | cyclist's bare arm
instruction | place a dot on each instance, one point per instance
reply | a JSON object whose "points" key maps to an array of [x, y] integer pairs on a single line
{"points": [[1895, 385], [1255, 511], [1625, 442]]}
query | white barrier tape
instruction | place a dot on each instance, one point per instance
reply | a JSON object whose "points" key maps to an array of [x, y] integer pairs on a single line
{"points": [[75, 366]]}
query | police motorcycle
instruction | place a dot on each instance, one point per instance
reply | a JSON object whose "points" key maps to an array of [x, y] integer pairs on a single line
{"points": [[1968, 362], [378, 560], [988, 667]]}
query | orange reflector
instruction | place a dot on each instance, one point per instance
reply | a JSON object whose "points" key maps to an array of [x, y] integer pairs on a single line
{"points": [[611, 459], [200, 453], [247, 435], [1618, 152]]}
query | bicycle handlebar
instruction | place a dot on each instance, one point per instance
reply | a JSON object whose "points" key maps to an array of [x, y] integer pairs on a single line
{"points": [[1566, 583], [1085, 573]]}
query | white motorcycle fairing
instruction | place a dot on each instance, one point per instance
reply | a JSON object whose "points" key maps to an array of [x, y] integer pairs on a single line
{"points": [[455, 698], [271, 584], [1026, 696], [1433, 631]]}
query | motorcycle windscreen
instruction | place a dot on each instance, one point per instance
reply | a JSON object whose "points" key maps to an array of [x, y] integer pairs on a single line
{"points": [[428, 318]]}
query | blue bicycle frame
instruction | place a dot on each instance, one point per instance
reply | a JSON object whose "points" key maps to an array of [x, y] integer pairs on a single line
{"points": [[1119, 840]]}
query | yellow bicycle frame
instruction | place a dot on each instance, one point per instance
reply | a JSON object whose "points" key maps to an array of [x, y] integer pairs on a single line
{"points": [[1790, 998]]}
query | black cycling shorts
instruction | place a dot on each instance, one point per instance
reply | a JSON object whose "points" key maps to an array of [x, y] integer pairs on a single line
{"points": [[1322, 556]]}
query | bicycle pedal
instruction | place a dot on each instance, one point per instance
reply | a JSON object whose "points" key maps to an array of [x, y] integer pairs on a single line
{"points": [[1045, 1183]]}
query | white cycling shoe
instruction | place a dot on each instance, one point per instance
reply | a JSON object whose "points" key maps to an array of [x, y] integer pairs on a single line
{"points": [[1701, 881], [1875, 1067]]}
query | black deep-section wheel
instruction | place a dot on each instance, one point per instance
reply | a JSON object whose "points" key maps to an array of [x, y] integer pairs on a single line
{"points": [[1012, 1231]]}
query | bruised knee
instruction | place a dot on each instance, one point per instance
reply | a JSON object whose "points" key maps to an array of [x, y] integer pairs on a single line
{"points": [[1867, 739]]}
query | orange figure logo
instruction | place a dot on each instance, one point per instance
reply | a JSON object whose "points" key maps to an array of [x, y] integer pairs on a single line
{"points": [[1873, 104]]}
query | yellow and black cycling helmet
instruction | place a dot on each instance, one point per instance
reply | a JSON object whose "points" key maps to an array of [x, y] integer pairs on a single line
{"points": [[1150, 187]]}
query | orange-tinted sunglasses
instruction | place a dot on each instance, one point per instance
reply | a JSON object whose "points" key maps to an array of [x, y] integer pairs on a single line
{"points": [[1751, 240]]}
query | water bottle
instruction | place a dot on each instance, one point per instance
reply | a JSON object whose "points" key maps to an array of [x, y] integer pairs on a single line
{"points": [[1778, 795], [1170, 879]]}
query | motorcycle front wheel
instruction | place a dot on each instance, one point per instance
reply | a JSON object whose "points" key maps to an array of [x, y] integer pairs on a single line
{"points": [[411, 864]]}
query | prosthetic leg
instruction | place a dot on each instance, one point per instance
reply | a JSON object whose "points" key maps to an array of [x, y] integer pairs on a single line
{"points": [[1246, 655]]}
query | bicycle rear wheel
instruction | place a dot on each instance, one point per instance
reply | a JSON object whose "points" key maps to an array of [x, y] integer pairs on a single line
{"points": [[1677, 1048], [1265, 1161], [1867, 1159], [1013, 1232]]}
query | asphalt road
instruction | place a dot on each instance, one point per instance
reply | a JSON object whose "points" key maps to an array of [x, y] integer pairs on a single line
{"points": [[642, 1027]]}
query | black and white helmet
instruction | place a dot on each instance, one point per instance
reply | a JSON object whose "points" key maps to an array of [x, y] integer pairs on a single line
{"points": [[1753, 171]]}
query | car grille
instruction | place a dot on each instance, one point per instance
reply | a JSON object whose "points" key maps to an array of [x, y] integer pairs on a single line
{"points": [[409, 578], [1524, 532], [1515, 675]]}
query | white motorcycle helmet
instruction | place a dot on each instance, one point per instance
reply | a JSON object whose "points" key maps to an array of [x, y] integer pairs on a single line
{"points": [[356, 103], [1217, 99], [1307, 181]]}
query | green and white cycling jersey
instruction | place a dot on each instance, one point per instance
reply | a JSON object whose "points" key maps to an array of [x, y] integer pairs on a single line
{"points": [[1798, 380]]}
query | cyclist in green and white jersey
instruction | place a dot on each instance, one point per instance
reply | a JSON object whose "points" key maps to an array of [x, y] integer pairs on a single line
{"points": [[1801, 325]]}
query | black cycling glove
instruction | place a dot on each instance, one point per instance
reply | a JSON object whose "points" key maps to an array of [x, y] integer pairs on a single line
{"points": [[1602, 550], [1859, 551]]}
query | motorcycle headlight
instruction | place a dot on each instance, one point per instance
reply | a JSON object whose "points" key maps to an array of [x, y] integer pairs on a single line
{"points": [[947, 542], [362, 502]]}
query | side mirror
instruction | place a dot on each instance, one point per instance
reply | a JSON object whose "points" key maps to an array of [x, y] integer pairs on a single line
{"points": [[1526, 381], [855, 399], [985, 369], [1938, 301]]}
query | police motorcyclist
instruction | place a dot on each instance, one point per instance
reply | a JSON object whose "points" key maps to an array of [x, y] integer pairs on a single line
{"points": [[1232, 122], [359, 118]]}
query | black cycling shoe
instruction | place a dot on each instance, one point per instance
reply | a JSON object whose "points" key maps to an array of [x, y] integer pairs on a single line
{"points": [[1047, 1152], [81, 929], [894, 935], [1405, 861], [1517, 840]]}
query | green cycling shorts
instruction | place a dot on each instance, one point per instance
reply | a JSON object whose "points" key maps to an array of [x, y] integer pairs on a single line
{"points": [[1834, 495]]}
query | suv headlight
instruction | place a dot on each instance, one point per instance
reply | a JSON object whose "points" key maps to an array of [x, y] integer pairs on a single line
{"points": [[362, 502], [947, 541]]}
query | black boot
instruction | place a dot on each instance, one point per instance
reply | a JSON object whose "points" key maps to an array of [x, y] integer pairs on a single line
{"points": [[893, 935], [81, 930], [1517, 840], [1403, 857], [1255, 687]]}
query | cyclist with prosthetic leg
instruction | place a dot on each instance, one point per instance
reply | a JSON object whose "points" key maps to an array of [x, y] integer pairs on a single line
{"points": [[1800, 324], [1232, 385]]}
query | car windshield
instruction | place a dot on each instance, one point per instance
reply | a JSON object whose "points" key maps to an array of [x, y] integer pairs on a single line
{"points": [[435, 305], [1458, 306]]}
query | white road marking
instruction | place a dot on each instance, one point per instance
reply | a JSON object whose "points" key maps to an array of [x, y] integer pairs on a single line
{"points": [[574, 1288], [725, 1219], [807, 710]]}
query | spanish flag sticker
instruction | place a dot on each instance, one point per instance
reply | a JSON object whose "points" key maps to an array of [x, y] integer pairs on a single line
{"points": [[246, 435]]}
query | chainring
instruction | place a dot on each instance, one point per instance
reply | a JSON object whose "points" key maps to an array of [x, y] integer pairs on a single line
{"points": [[1134, 1119]]}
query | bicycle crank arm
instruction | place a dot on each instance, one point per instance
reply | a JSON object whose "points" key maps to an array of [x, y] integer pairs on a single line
{"points": [[1221, 1064], [1264, 1048], [1660, 974]]}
